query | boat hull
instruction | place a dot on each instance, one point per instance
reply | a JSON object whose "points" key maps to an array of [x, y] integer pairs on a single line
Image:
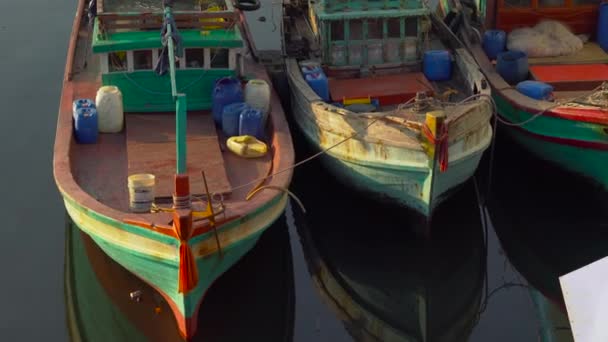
{"points": [[574, 146], [156, 261], [408, 188], [399, 173]]}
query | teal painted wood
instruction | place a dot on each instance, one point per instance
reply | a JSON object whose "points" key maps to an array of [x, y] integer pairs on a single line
{"points": [[535, 137], [163, 275], [145, 91], [405, 187], [92, 307], [414, 11], [150, 234], [180, 133], [144, 40], [588, 163], [400, 177]]}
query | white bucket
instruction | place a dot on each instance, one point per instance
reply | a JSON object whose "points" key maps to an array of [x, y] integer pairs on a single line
{"points": [[141, 192]]}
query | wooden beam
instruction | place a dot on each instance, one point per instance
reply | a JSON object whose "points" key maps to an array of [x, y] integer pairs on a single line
{"points": [[176, 15], [108, 26]]}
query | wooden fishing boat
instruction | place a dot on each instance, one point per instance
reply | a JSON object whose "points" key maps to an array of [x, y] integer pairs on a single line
{"points": [[570, 130], [389, 129], [210, 205], [384, 282]]}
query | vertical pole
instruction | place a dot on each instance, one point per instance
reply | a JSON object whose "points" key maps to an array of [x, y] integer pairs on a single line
{"points": [[180, 133], [171, 48], [180, 105]]}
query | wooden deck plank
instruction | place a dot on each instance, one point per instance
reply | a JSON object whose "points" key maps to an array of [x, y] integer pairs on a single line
{"points": [[151, 149]]}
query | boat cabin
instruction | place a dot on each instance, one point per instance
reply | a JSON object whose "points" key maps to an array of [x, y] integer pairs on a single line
{"points": [[369, 33], [126, 36]]}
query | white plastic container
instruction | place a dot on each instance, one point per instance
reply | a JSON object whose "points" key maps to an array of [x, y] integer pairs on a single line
{"points": [[109, 109], [257, 95], [141, 192]]}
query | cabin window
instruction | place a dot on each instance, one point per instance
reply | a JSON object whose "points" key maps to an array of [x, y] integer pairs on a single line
{"points": [[356, 30], [219, 58], [374, 29], [411, 27], [195, 58], [117, 61], [142, 60], [337, 30], [393, 28]]}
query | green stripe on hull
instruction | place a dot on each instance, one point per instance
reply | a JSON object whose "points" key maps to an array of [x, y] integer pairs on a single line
{"points": [[407, 188], [589, 163], [150, 234], [162, 273], [552, 126], [163, 276], [585, 161]]}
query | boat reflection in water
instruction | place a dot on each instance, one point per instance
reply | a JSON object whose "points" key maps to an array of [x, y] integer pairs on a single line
{"points": [[254, 298], [548, 223], [384, 281]]}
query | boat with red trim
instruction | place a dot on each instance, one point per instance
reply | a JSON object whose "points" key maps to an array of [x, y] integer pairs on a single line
{"points": [[141, 163], [567, 122]]}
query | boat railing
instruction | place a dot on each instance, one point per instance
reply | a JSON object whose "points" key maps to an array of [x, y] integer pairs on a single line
{"points": [[363, 5], [142, 21]]}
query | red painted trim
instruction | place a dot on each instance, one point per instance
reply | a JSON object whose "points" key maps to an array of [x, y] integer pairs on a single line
{"points": [[564, 141], [159, 228], [596, 116], [588, 115]]}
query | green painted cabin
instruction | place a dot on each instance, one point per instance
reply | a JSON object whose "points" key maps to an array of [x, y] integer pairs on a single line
{"points": [[129, 45], [367, 33]]}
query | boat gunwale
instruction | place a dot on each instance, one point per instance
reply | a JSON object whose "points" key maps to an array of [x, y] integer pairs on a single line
{"points": [[501, 88], [282, 159]]}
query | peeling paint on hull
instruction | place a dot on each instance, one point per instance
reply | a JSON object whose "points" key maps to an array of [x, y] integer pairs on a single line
{"points": [[397, 170]]}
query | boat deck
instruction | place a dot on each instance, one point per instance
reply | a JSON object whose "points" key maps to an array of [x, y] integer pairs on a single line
{"points": [[102, 169], [151, 149], [389, 89], [147, 144]]}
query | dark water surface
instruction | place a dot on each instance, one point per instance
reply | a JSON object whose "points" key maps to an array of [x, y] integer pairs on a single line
{"points": [[346, 270], [33, 44]]}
